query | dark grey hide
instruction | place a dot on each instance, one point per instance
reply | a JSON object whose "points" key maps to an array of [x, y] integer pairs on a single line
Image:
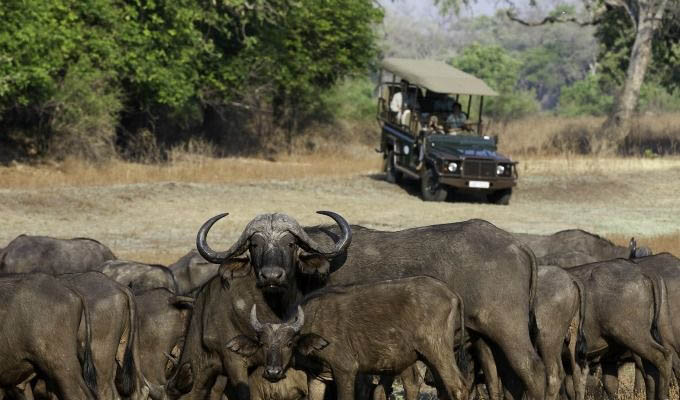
{"points": [[276, 248], [115, 342], [668, 266], [163, 322], [560, 300], [40, 330], [493, 272], [626, 309], [192, 271], [138, 276], [53, 256], [408, 320], [573, 246]]}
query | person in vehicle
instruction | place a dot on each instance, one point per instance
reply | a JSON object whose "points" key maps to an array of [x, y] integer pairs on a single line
{"points": [[432, 128], [456, 120], [402, 102]]}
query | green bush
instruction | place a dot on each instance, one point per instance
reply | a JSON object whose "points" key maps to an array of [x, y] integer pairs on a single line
{"points": [[500, 70], [656, 98], [584, 98], [351, 99], [85, 110]]}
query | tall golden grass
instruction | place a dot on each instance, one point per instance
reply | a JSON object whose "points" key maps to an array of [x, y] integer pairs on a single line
{"points": [[552, 135], [191, 168]]}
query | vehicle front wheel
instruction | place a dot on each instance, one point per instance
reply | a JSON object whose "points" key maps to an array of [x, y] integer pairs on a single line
{"points": [[391, 173], [430, 188], [501, 197]]}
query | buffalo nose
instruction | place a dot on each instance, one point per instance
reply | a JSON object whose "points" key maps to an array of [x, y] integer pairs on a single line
{"points": [[274, 371], [274, 273]]}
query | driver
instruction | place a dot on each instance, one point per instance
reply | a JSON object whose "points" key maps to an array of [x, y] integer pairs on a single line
{"points": [[456, 120]]}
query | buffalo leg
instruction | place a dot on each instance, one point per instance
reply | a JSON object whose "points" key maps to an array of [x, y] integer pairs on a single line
{"points": [[551, 351], [520, 353], [639, 380], [237, 382], [345, 382], [610, 378], [448, 377], [488, 364], [660, 357], [411, 381], [579, 372], [316, 389]]}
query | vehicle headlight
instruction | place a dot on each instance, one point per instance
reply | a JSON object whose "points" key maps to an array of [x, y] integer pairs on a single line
{"points": [[500, 170], [407, 150], [452, 167]]}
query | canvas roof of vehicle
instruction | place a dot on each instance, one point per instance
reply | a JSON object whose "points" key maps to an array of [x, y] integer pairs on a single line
{"points": [[437, 76]]}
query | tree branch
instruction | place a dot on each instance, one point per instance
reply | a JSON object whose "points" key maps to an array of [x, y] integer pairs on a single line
{"points": [[552, 20]]}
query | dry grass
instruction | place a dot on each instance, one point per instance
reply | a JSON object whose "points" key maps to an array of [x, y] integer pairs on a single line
{"points": [[551, 135], [579, 165], [187, 168]]}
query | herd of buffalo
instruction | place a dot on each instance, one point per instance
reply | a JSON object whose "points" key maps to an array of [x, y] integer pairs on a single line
{"points": [[291, 312]]}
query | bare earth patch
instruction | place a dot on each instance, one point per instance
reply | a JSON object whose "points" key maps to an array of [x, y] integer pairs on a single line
{"points": [[152, 213]]}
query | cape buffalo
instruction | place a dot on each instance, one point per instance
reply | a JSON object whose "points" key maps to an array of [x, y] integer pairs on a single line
{"points": [[163, 322], [559, 310], [115, 342], [574, 241], [192, 271], [139, 277], [668, 266], [493, 272], [52, 256], [626, 309], [409, 319], [220, 313], [40, 330]]}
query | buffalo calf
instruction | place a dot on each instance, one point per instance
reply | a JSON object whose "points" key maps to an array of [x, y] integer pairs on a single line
{"points": [[380, 328]]}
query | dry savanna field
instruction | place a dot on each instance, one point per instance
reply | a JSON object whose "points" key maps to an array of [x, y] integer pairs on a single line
{"points": [[151, 212]]}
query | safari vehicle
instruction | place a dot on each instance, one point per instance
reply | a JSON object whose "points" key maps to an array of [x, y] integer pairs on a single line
{"points": [[455, 155]]}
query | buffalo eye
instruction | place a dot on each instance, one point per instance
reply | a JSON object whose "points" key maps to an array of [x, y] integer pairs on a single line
{"points": [[289, 344], [291, 244]]}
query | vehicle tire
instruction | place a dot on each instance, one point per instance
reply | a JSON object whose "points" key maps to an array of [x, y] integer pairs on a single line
{"points": [[391, 173], [430, 188], [501, 197]]}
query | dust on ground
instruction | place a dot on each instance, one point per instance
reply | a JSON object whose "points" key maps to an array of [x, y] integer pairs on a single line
{"points": [[157, 221]]}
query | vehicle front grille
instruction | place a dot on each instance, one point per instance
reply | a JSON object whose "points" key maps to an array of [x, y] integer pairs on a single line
{"points": [[479, 169]]}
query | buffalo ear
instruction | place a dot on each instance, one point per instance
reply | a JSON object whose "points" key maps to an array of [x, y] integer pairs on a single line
{"points": [[307, 344], [243, 345], [314, 264], [230, 266]]}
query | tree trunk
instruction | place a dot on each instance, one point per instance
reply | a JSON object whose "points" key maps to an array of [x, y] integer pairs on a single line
{"points": [[618, 124]]}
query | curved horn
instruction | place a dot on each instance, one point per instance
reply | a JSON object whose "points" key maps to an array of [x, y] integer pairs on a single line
{"points": [[345, 237], [211, 255], [299, 320], [254, 322]]}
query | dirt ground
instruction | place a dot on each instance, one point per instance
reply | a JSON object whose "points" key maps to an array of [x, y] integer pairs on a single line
{"points": [[157, 221]]}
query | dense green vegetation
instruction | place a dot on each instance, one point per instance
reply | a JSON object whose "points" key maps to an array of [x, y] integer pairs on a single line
{"points": [[95, 78], [115, 71]]}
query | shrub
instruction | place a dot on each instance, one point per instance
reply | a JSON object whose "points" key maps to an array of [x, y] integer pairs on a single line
{"points": [[85, 111]]}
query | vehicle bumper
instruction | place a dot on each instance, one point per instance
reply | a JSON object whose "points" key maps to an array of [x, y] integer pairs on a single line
{"points": [[464, 183]]}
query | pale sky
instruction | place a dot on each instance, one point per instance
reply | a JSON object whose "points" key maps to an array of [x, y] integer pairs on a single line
{"points": [[477, 7]]}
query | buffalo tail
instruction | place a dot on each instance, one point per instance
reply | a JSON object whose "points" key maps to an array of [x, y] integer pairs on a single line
{"points": [[581, 342]]}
